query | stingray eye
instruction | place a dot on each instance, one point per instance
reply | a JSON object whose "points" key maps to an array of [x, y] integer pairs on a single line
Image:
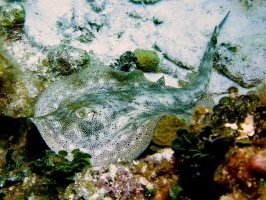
{"points": [[85, 112]]}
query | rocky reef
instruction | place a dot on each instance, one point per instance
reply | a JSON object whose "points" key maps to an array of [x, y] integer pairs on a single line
{"points": [[216, 152], [236, 65], [148, 178]]}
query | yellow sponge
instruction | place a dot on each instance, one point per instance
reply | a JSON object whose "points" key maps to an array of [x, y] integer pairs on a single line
{"points": [[165, 130], [147, 60]]}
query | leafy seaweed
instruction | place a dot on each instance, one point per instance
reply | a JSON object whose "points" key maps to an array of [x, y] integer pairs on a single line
{"points": [[149, 192], [175, 191], [234, 109], [11, 173], [199, 155], [59, 168], [197, 158], [10, 163], [126, 62]]}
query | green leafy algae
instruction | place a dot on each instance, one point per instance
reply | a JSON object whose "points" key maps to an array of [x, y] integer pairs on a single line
{"points": [[200, 154], [59, 168]]}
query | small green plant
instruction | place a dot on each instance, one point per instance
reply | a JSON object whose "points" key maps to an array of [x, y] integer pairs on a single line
{"points": [[11, 172], [175, 191], [197, 158], [149, 192], [59, 168], [234, 109], [198, 155]]}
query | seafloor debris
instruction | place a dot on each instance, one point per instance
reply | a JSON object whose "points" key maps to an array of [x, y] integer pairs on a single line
{"points": [[66, 60], [145, 178]]}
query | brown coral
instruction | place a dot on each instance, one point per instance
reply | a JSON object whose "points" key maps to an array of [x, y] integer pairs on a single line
{"points": [[242, 172], [262, 96]]}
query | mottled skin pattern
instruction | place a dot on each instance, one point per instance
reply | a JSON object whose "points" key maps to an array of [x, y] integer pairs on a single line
{"points": [[112, 114]]}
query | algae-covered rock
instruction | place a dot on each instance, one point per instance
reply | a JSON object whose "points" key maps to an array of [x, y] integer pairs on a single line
{"points": [[12, 15], [17, 96], [97, 5], [151, 176], [22, 73], [145, 1], [126, 62], [231, 61], [147, 60], [66, 60]]}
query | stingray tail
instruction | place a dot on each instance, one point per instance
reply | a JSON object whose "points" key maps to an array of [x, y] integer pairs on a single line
{"points": [[216, 31], [201, 81]]}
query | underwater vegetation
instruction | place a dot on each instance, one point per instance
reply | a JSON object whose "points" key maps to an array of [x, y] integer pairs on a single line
{"points": [[234, 109], [27, 168], [215, 160], [145, 60], [58, 167], [12, 18]]}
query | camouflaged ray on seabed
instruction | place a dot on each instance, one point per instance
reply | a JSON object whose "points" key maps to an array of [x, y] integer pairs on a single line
{"points": [[111, 114]]}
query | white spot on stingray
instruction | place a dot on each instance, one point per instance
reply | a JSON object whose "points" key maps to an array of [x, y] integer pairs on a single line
{"points": [[50, 117], [101, 81], [71, 146], [101, 135], [93, 137], [97, 152], [136, 84], [56, 124], [112, 81], [89, 83]]}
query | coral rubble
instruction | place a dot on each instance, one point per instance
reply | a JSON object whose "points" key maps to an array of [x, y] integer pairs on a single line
{"points": [[66, 60], [142, 179]]}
